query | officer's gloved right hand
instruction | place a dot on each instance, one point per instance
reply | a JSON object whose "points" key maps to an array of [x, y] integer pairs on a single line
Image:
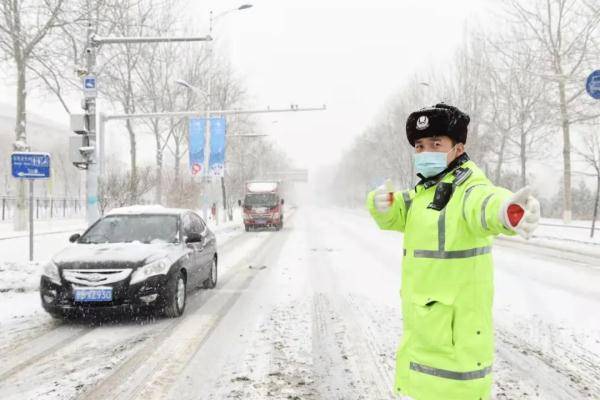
{"points": [[521, 213], [384, 196]]}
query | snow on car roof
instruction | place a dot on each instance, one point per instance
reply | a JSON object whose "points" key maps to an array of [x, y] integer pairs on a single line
{"points": [[262, 186], [146, 209]]}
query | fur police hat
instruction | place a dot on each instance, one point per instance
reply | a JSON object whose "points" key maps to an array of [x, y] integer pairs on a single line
{"points": [[439, 120]]}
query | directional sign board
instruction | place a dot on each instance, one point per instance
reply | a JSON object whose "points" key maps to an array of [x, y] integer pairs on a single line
{"points": [[592, 85], [89, 86], [30, 165]]}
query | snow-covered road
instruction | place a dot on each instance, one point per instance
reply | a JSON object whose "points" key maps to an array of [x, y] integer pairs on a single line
{"points": [[311, 312]]}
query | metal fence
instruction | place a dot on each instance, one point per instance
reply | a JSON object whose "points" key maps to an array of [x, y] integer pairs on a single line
{"points": [[44, 207]]}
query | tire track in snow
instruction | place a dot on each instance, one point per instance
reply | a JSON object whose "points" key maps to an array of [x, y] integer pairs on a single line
{"points": [[541, 372], [336, 378], [151, 371], [272, 355], [343, 349], [20, 358], [59, 337], [54, 336], [279, 362], [341, 328], [529, 372]]}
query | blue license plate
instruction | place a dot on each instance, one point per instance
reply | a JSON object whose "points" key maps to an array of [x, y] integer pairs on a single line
{"points": [[261, 221], [87, 295]]}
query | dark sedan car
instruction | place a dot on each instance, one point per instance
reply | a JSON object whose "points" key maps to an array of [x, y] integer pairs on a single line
{"points": [[132, 258]]}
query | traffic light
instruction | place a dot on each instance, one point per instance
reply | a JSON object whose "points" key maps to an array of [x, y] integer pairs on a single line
{"points": [[80, 123]]}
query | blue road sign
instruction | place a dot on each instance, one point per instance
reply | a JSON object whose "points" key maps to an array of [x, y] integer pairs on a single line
{"points": [[89, 83], [592, 85], [89, 87], [30, 165]]}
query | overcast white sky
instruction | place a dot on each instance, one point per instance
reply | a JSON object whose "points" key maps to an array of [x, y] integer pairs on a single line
{"points": [[350, 55]]}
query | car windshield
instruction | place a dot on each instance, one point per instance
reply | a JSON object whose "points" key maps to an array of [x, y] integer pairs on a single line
{"points": [[133, 228], [261, 199]]}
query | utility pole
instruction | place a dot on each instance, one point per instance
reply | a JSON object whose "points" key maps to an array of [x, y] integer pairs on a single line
{"points": [[89, 149], [209, 105], [91, 183]]}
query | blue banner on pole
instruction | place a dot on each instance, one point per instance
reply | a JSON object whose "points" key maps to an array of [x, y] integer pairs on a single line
{"points": [[218, 128], [196, 144]]}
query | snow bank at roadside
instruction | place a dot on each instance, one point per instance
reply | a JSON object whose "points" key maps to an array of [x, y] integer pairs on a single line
{"points": [[7, 231], [19, 277], [573, 237]]}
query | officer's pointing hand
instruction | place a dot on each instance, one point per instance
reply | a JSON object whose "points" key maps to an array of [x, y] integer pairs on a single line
{"points": [[521, 213], [384, 196]]}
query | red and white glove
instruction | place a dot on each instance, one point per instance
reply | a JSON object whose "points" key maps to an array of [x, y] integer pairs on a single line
{"points": [[521, 213], [384, 196]]}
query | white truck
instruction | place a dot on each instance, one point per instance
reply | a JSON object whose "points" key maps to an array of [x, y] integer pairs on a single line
{"points": [[263, 205]]}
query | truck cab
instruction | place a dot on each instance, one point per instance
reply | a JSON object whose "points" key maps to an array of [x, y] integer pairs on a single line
{"points": [[263, 206]]}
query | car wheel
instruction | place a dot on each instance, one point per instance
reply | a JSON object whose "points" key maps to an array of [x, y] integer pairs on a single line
{"points": [[211, 282], [176, 296], [247, 228]]}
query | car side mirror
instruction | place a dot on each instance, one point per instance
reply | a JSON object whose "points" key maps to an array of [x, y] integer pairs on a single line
{"points": [[74, 237], [193, 238], [282, 201], [239, 203]]}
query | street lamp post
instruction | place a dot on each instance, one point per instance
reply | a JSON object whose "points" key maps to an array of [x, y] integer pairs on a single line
{"points": [[208, 98], [212, 21], [93, 41]]}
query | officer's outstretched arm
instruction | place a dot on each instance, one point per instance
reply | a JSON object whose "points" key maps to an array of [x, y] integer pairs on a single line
{"points": [[481, 205], [394, 216]]}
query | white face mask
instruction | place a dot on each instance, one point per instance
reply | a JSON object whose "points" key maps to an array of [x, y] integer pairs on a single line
{"points": [[431, 163]]}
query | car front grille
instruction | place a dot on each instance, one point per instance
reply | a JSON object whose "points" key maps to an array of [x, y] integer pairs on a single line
{"points": [[95, 277]]}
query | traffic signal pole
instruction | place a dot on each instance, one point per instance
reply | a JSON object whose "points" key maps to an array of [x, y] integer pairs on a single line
{"points": [[90, 149], [91, 183], [104, 118]]}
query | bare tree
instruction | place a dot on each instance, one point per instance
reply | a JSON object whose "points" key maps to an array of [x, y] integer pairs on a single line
{"points": [[23, 27], [562, 33], [465, 85], [119, 83], [155, 72], [110, 188], [518, 109], [590, 153]]}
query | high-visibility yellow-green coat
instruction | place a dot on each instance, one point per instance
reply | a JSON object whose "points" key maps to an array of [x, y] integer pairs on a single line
{"points": [[447, 347]]}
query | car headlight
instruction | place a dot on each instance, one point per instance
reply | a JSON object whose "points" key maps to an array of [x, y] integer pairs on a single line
{"points": [[160, 267], [51, 272]]}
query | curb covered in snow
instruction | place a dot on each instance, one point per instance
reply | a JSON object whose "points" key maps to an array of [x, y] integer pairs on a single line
{"points": [[577, 251]]}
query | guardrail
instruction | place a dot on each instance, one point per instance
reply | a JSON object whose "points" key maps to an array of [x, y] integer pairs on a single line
{"points": [[571, 226], [44, 207]]}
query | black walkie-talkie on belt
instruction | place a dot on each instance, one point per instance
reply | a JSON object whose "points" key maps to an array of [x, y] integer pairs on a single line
{"points": [[444, 190]]}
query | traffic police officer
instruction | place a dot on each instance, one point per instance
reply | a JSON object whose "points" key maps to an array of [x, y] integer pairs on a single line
{"points": [[449, 221]]}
